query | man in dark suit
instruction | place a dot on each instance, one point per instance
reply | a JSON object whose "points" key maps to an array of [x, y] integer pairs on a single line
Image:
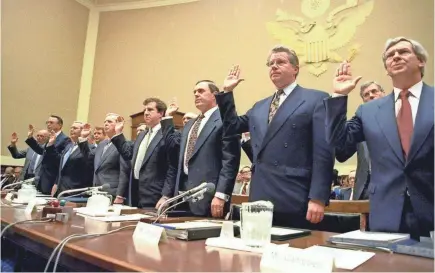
{"points": [[107, 161], [292, 163], [369, 91], [48, 172], [347, 192], [153, 160], [206, 154], [75, 170], [398, 130], [32, 163]]}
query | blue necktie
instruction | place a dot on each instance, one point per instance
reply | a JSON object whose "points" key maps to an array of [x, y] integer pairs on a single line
{"points": [[66, 156]]}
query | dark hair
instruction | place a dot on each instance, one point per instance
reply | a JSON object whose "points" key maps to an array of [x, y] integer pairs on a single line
{"points": [[59, 119], [160, 105], [211, 85]]}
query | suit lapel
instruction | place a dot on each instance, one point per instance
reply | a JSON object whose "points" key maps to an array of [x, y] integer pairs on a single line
{"points": [[102, 157], [152, 146], [263, 117], [424, 120], [137, 144], [206, 131], [288, 107], [386, 118]]}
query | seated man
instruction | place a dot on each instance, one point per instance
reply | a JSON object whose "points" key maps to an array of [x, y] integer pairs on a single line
{"points": [[346, 193]]}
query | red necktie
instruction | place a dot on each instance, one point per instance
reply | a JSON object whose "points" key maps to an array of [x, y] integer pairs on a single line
{"points": [[404, 122]]}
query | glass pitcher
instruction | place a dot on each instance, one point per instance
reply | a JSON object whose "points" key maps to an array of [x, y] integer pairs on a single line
{"points": [[256, 223]]}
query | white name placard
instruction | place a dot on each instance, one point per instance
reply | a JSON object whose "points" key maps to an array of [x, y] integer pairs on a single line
{"points": [[149, 234]]}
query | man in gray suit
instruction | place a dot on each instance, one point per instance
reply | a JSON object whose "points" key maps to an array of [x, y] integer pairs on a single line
{"points": [[107, 161], [33, 160], [369, 91]]}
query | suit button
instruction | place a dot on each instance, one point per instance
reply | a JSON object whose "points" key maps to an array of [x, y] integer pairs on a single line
{"points": [[253, 127], [275, 163], [285, 145], [256, 145], [293, 126], [258, 161]]}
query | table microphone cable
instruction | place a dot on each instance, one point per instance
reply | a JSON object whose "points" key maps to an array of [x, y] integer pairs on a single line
{"points": [[33, 221], [62, 244]]}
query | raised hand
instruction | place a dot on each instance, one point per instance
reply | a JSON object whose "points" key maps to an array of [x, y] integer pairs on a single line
{"points": [[119, 125], [233, 79], [52, 138], [14, 139], [343, 82], [85, 131], [172, 109], [31, 131]]}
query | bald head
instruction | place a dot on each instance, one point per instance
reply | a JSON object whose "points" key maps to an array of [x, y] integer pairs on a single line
{"points": [[42, 136], [188, 116]]}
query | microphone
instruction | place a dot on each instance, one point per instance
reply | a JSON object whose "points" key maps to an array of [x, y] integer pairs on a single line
{"points": [[20, 182], [103, 187], [198, 190]]}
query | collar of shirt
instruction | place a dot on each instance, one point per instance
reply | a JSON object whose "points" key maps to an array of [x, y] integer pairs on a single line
{"points": [[415, 91], [287, 90], [58, 133], [209, 112], [156, 128]]}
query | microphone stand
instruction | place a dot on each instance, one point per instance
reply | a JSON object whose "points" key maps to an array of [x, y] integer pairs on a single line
{"points": [[175, 198], [196, 196]]}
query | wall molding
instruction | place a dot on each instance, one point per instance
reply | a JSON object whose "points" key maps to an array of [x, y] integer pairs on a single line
{"points": [[134, 4]]}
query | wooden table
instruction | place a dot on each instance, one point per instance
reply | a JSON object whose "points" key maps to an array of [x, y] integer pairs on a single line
{"points": [[117, 252]]}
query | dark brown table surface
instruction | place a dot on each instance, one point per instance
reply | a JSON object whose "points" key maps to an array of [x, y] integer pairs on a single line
{"points": [[117, 252]]}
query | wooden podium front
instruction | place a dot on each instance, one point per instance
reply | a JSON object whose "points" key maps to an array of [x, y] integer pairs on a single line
{"points": [[137, 119]]}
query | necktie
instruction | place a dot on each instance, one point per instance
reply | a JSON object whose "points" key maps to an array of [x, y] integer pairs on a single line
{"points": [[141, 154], [275, 104], [32, 165], [243, 190], [404, 122], [66, 156], [106, 147], [192, 139]]}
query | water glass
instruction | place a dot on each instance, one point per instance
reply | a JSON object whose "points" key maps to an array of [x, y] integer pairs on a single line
{"points": [[256, 223]]}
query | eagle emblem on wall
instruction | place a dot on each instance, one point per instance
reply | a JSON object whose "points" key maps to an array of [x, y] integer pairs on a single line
{"points": [[316, 42]]}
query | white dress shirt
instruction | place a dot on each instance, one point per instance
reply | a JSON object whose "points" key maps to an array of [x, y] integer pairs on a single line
{"points": [[414, 99], [287, 92]]}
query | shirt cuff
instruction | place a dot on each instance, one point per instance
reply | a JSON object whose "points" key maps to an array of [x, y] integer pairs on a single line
{"points": [[222, 196], [336, 95], [83, 139], [167, 117]]}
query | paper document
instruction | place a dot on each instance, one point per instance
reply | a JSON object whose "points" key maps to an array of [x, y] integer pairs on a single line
{"points": [[121, 218], [279, 231], [371, 236], [236, 244], [343, 258]]}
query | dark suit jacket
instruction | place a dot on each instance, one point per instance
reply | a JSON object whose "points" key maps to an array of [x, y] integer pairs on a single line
{"points": [[77, 171], [158, 171], [344, 194], [28, 155], [49, 169], [292, 162], [391, 175], [107, 167], [215, 159], [247, 148], [362, 176]]}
